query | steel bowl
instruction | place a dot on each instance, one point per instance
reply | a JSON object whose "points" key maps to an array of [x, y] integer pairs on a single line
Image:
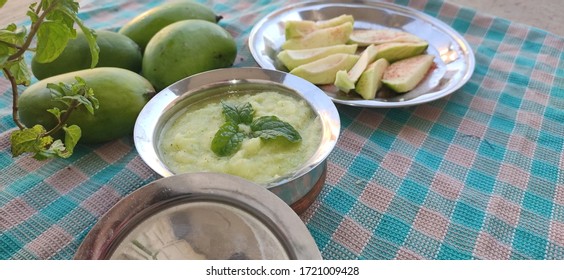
{"points": [[199, 216], [291, 187]]}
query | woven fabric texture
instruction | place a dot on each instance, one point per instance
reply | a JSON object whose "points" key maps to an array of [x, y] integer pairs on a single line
{"points": [[474, 175]]}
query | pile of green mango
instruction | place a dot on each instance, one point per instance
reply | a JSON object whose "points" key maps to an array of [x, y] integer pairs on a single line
{"points": [[332, 51], [150, 52]]}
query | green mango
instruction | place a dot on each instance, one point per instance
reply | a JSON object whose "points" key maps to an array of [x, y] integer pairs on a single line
{"points": [[144, 26], [116, 50], [121, 94], [185, 48]]}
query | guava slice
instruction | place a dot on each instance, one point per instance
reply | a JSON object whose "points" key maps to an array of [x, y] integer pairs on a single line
{"points": [[404, 75], [300, 28], [346, 83], [343, 82], [329, 36], [294, 58], [371, 79], [323, 71], [393, 52], [365, 37]]}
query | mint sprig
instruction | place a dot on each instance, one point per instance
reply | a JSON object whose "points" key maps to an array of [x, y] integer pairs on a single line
{"points": [[52, 26], [270, 127], [230, 136], [38, 141]]}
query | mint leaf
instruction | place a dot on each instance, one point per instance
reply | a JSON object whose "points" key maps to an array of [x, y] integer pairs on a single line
{"points": [[4, 54], [2, 3], [70, 8], [29, 140], [56, 112], [33, 16], [60, 149], [270, 127], [91, 38], [72, 135], [54, 149], [10, 38], [238, 114], [20, 71], [58, 28], [227, 139], [52, 38], [78, 92], [58, 90]]}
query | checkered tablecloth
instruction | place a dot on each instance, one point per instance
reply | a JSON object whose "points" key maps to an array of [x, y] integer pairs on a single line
{"points": [[475, 175]]}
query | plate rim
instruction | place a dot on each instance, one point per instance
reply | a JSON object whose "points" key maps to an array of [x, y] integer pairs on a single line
{"points": [[466, 50]]}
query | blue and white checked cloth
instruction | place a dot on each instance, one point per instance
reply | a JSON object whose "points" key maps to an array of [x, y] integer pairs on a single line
{"points": [[475, 175]]}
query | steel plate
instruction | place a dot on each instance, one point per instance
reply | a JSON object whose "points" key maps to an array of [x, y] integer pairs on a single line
{"points": [[454, 58]]}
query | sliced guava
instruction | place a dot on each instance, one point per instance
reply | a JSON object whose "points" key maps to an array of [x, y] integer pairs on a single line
{"points": [[329, 36], [404, 75], [294, 58], [371, 79], [367, 56], [323, 71], [365, 37], [300, 28], [393, 52]]}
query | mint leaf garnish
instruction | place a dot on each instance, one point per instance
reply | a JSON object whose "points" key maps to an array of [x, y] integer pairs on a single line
{"points": [[238, 114], [227, 140], [270, 127], [229, 137]]}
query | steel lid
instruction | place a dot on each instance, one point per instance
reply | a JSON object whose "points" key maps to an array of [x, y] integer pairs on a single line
{"points": [[200, 216]]}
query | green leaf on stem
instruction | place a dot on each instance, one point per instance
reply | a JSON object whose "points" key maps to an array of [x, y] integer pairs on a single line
{"points": [[67, 13], [33, 140], [56, 112], [72, 135], [78, 92], [90, 35], [11, 37], [32, 13], [53, 24], [29, 140], [52, 38], [60, 149], [20, 71], [4, 54]]}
